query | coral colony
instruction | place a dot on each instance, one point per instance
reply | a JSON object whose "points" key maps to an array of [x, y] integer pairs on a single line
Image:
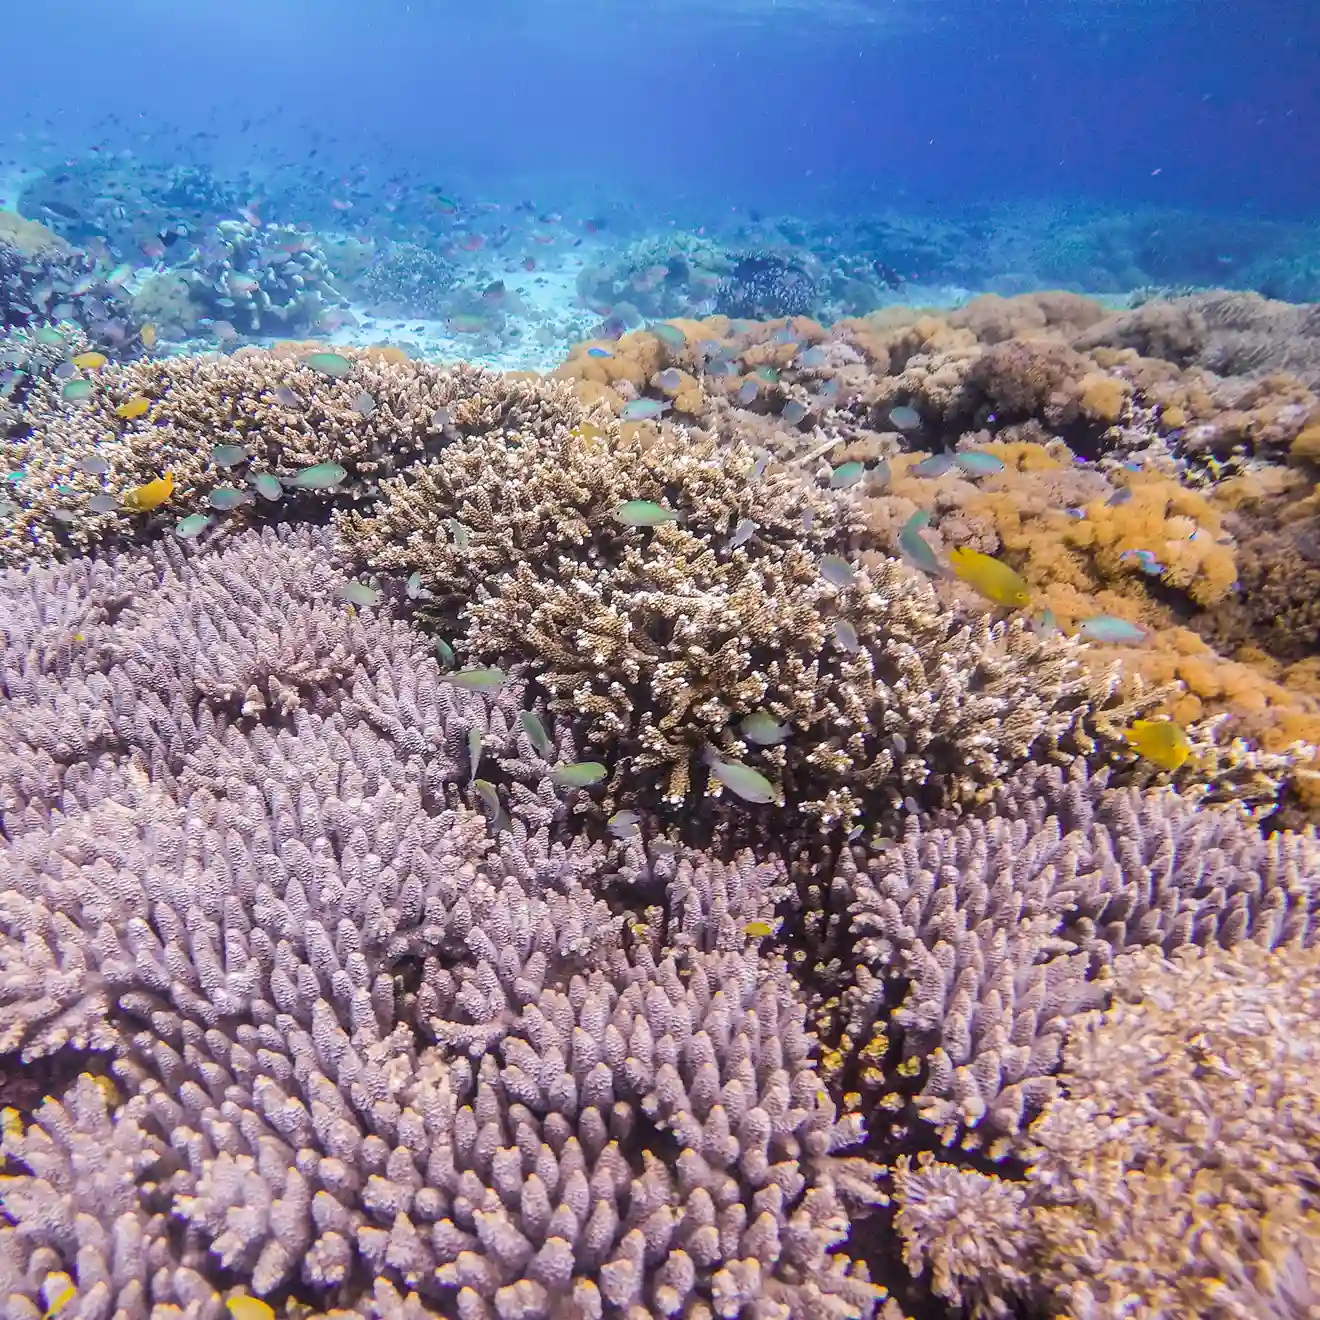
{"points": [[799, 809]]}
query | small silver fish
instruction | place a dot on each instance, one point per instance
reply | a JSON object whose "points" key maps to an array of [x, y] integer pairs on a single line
{"points": [[743, 533], [836, 571]]}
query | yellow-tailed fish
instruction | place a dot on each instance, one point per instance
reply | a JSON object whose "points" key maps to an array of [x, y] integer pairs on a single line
{"points": [[990, 576], [142, 499], [90, 361], [1162, 742], [133, 407]]}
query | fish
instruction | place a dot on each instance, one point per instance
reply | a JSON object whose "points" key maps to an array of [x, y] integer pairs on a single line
{"points": [[743, 533], [267, 485], [413, 588], [669, 335], [474, 742], [148, 336], [462, 537], [643, 513], [490, 799], [364, 405], [761, 728], [77, 390], [360, 593], [57, 1291], [767, 374], [741, 780], [1109, 628], [747, 392], [442, 418], [445, 652], [94, 465], [536, 734], [191, 527], [334, 365], [977, 463], [578, 774], [836, 571], [102, 502], [244, 1307], [596, 351], [758, 930], [624, 824], [227, 456], [284, 395], [914, 547], [150, 495], [1120, 496], [990, 576], [51, 337], [1162, 742], [133, 407], [320, 476], [225, 498], [89, 361], [794, 411], [641, 410], [934, 466], [811, 357], [670, 380], [905, 418], [478, 680], [846, 635], [847, 474]]}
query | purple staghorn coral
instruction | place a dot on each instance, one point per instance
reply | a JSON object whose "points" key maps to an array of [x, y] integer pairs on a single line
{"points": [[977, 942], [359, 1049]]}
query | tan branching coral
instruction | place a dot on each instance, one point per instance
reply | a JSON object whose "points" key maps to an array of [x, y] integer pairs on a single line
{"points": [[1173, 1177], [660, 642], [284, 415]]}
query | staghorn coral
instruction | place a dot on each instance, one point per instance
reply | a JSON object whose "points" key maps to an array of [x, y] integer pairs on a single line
{"points": [[356, 1044], [973, 945], [656, 643], [237, 400], [1175, 1175]]}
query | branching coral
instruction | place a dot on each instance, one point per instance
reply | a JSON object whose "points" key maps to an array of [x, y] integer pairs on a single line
{"points": [[658, 643], [1175, 1175], [283, 416]]}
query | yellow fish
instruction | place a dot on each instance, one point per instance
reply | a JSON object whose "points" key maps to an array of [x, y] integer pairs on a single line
{"points": [[249, 1308], [990, 576], [758, 930], [58, 1291], [1160, 741], [148, 336], [151, 496], [90, 361], [133, 407]]}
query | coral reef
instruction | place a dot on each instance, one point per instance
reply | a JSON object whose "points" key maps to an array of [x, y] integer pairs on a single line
{"points": [[762, 285], [404, 279], [349, 1038], [1175, 1171], [270, 279], [278, 413]]}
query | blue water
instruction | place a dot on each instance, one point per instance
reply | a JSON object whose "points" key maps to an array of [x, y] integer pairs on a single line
{"points": [[694, 109]]}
